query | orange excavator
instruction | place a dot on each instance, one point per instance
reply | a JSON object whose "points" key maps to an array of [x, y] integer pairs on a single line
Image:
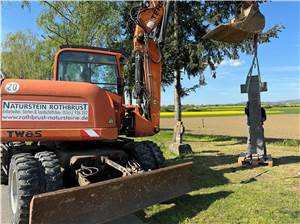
{"points": [[64, 151]]}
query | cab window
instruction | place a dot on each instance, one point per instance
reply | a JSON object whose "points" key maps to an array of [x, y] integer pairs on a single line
{"points": [[96, 68]]}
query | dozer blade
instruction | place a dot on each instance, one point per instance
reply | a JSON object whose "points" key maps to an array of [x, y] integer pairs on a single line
{"points": [[107, 200], [251, 22]]}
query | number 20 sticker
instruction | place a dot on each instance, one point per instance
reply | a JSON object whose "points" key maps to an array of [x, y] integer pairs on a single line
{"points": [[12, 87]]}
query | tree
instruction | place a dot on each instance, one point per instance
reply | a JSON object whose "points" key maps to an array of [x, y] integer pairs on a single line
{"points": [[185, 50], [94, 23], [64, 23], [23, 57], [126, 43]]}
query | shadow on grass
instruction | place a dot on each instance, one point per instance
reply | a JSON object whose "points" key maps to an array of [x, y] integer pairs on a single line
{"points": [[275, 141], [206, 138], [203, 175], [237, 140], [209, 151], [286, 160], [185, 207], [189, 137]]}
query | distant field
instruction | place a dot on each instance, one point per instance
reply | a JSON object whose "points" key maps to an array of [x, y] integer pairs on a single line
{"points": [[231, 110], [279, 126]]}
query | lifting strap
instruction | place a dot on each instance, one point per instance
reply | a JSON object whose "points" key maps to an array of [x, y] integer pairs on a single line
{"points": [[254, 64]]}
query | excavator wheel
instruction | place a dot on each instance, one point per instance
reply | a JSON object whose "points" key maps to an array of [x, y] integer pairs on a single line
{"points": [[51, 173], [7, 151], [24, 182], [4, 156], [147, 154]]}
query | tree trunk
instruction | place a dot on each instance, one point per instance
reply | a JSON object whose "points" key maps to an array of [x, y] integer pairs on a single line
{"points": [[177, 85], [177, 97], [179, 128], [177, 146], [129, 94]]}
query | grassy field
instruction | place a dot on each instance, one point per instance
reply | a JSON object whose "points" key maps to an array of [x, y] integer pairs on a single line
{"points": [[231, 110], [220, 194]]}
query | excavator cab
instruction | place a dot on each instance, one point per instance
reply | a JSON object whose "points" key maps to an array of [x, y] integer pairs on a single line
{"points": [[96, 68], [102, 69]]}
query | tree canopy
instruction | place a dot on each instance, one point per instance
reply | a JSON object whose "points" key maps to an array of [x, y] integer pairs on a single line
{"points": [[23, 56], [108, 24], [94, 23], [192, 54]]}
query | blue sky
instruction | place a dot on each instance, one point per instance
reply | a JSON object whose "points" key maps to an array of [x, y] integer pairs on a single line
{"points": [[279, 60]]}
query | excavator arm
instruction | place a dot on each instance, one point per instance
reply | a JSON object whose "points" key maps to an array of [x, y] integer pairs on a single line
{"points": [[151, 21]]}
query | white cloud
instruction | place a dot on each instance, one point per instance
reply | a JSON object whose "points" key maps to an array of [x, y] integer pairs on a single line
{"points": [[232, 62]]}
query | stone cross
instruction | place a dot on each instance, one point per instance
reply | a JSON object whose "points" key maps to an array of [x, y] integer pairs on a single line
{"points": [[256, 141]]}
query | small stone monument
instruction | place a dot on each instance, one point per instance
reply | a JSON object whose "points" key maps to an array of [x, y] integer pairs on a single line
{"points": [[177, 146]]}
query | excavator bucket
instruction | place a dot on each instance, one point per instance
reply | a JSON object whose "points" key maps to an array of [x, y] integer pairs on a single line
{"points": [[104, 201], [248, 22]]}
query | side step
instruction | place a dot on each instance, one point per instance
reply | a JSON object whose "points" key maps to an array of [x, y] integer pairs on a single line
{"points": [[108, 200]]}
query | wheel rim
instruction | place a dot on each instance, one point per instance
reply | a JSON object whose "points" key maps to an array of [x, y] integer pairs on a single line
{"points": [[13, 192]]}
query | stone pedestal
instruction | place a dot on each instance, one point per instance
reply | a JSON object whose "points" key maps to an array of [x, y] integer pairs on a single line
{"points": [[255, 160], [180, 148], [177, 146]]}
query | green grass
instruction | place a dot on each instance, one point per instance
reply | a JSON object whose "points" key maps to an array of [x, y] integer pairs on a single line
{"points": [[218, 195]]}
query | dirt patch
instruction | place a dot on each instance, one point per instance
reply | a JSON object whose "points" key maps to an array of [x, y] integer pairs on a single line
{"points": [[277, 126]]}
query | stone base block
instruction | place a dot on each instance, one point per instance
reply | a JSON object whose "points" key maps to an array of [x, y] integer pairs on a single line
{"points": [[255, 160], [180, 148]]}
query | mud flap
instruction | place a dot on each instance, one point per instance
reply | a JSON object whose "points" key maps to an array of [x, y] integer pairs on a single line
{"points": [[107, 200]]}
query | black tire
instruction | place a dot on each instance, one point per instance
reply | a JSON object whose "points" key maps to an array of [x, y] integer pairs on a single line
{"points": [[24, 182], [4, 158], [147, 154], [51, 173], [7, 151], [157, 153]]}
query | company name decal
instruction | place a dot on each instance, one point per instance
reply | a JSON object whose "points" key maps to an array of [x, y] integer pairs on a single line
{"points": [[44, 111]]}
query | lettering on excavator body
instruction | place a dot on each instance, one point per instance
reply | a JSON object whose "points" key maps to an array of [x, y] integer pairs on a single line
{"points": [[22, 134], [157, 10]]}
